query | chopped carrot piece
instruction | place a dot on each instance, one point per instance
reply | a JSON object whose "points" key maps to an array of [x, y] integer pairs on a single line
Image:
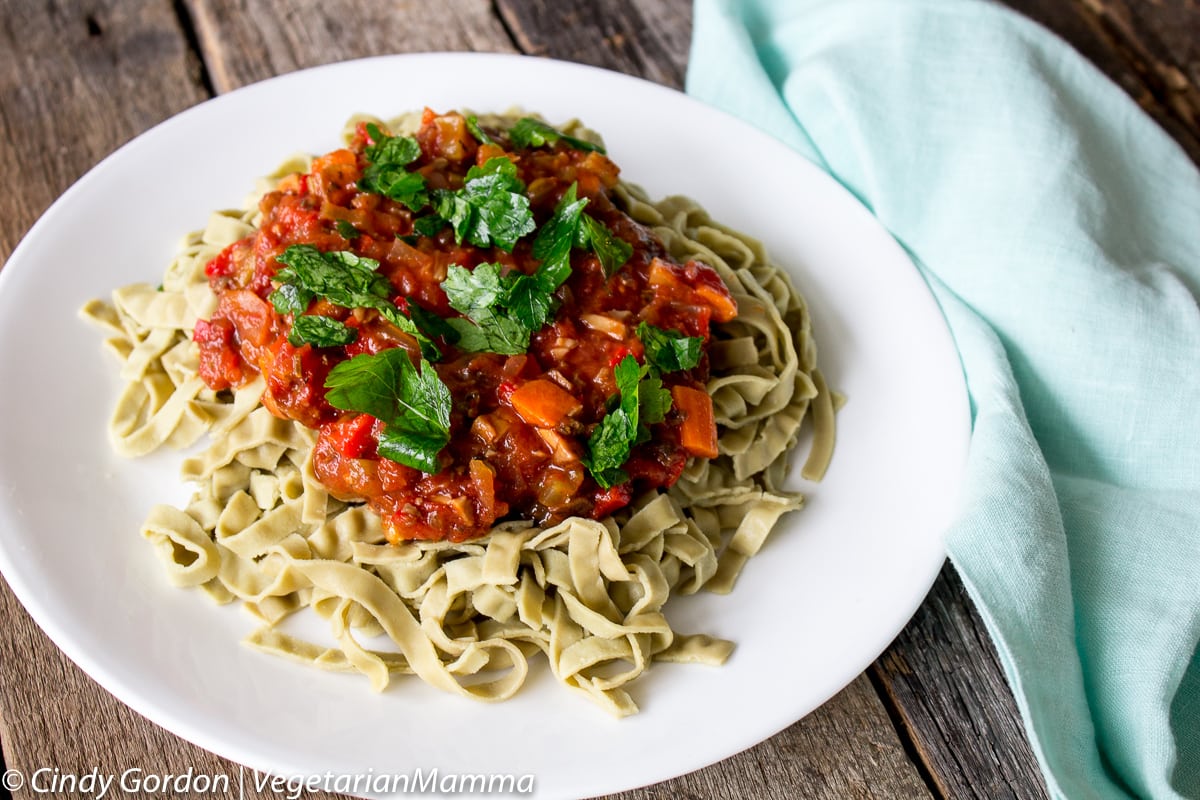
{"points": [[698, 434], [543, 403]]}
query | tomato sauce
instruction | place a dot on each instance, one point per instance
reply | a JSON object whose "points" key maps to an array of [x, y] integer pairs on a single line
{"points": [[519, 423]]}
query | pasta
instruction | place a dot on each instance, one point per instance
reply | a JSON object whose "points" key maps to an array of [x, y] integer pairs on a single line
{"points": [[263, 531]]}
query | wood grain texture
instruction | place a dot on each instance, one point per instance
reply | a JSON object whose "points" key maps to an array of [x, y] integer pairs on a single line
{"points": [[62, 719], [943, 680], [839, 752], [244, 41], [72, 91], [649, 40]]}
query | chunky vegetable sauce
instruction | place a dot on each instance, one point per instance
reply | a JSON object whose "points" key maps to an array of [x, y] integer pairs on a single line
{"points": [[452, 247]]}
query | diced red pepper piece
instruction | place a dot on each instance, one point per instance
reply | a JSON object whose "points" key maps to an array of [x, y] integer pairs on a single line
{"points": [[611, 499], [352, 436]]}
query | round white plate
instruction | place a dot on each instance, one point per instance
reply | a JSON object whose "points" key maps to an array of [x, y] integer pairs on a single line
{"points": [[834, 585]]}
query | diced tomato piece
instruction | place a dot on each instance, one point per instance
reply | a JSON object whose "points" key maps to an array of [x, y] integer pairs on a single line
{"points": [[220, 364], [611, 499], [221, 265], [353, 436]]}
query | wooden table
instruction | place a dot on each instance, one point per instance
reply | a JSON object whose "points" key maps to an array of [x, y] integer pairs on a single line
{"points": [[931, 718]]}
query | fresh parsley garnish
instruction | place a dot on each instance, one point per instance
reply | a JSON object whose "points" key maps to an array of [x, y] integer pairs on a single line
{"points": [[346, 230], [476, 131], [413, 404], [428, 225], [490, 209], [668, 350], [530, 132], [503, 311], [552, 245], [346, 280], [341, 277], [569, 227], [492, 304], [320, 331], [642, 401], [612, 250], [386, 171]]}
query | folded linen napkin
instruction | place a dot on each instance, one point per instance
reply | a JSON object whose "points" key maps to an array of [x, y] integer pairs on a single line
{"points": [[1059, 229]]}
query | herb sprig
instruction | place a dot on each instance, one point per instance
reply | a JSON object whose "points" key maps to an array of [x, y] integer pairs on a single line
{"points": [[642, 400], [530, 132], [346, 280], [490, 209], [386, 171], [413, 404]]}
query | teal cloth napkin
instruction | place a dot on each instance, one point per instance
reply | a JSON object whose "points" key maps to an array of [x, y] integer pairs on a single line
{"points": [[1059, 229]]}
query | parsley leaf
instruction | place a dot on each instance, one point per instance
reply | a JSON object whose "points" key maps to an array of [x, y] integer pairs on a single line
{"points": [[471, 292], [428, 225], [530, 132], [552, 245], [320, 331], [654, 401], [491, 333], [476, 131], [612, 250], [609, 445], [491, 207], [290, 298], [398, 150], [642, 400], [413, 449], [346, 280], [406, 324], [430, 324], [346, 230], [528, 299], [341, 277], [413, 404], [484, 296], [386, 174], [669, 350]]}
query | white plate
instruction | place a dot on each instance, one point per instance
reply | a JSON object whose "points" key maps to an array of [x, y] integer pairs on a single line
{"points": [[832, 588]]}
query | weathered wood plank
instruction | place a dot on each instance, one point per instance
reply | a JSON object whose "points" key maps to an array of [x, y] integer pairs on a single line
{"points": [[649, 40], [73, 88], [839, 752], [944, 682], [244, 41]]}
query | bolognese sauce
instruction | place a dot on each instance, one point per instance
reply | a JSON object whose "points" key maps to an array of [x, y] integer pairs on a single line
{"points": [[525, 421]]}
